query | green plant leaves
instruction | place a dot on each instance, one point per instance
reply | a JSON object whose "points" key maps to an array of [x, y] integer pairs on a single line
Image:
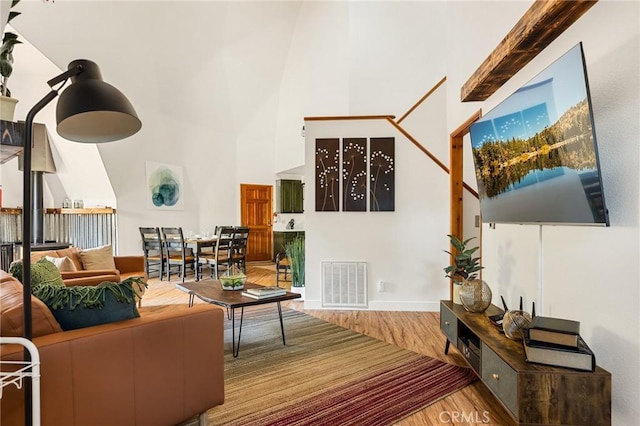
{"points": [[465, 264], [9, 40], [13, 14], [295, 252]]}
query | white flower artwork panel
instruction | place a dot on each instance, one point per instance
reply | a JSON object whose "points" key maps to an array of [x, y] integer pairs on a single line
{"points": [[327, 175], [354, 174], [382, 175]]}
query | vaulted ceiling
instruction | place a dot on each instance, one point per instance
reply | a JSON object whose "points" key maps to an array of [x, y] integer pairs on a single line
{"points": [[236, 78]]}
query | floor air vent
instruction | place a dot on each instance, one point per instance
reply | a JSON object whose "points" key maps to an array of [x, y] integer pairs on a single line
{"points": [[344, 284]]}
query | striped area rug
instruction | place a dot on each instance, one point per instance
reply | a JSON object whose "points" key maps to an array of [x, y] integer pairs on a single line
{"points": [[325, 375]]}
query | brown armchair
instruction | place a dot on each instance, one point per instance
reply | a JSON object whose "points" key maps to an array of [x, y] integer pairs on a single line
{"points": [[126, 267]]}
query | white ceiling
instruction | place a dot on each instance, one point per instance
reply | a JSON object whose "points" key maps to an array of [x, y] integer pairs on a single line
{"points": [[222, 57], [236, 78]]}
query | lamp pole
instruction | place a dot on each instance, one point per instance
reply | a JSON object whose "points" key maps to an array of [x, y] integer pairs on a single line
{"points": [[27, 203], [84, 103], [26, 243]]}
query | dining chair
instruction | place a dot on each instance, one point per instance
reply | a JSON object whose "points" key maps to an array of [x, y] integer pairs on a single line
{"points": [[239, 247], [206, 254], [176, 254], [221, 258], [152, 251], [283, 266]]}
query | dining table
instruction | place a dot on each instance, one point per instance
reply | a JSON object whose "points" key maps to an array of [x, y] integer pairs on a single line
{"points": [[197, 244]]}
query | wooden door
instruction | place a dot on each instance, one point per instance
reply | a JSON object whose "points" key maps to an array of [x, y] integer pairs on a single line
{"points": [[256, 211]]}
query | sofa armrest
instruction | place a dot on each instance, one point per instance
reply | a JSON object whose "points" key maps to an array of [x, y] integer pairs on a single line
{"points": [[158, 369], [129, 264], [88, 273], [92, 280], [95, 277]]}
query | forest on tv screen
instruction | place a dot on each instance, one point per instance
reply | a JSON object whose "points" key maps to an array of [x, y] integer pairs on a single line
{"points": [[566, 143]]}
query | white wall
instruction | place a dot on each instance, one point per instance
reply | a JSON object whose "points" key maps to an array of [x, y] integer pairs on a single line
{"points": [[315, 79], [403, 248], [589, 274], [5, 6], [371, 59], [338, 64]]}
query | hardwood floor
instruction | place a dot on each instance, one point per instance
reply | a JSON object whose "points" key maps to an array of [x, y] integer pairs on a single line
{"points": [[415, 331]]}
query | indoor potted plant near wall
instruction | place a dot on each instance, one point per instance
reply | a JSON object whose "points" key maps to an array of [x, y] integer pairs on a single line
{"points": [[294, 250], [465, 265], [9, 40]]}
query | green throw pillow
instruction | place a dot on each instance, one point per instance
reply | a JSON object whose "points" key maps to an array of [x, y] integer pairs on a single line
{"points": [[42, 272], [86, 306]]}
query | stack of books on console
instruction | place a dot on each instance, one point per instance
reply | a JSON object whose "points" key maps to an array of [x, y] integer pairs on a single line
{"points": [[264, 292], [557, 342]]}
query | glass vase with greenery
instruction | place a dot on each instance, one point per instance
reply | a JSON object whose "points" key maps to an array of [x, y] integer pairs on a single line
{"points": [[294, 250]]}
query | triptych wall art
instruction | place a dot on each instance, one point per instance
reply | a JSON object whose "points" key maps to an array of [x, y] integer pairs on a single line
{"points": [[355, 172]]}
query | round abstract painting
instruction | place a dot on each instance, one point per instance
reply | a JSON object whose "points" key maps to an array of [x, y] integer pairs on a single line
{"points": [[164, 186]]}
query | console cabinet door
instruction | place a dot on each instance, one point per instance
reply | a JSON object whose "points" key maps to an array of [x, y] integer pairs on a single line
{"points": [[500, 378], [449, 324]]}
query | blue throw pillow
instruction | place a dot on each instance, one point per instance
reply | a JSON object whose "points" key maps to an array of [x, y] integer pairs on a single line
{"points": [[86, 306]]}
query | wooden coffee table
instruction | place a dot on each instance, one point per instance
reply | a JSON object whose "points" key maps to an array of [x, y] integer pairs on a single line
{"points": [[211, 291]]}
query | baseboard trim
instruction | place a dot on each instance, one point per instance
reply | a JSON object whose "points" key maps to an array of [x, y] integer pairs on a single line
{"points": [[378, 305]]}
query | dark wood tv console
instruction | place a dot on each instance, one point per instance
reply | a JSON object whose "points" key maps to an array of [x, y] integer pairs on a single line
{"points": [[531, 393]]}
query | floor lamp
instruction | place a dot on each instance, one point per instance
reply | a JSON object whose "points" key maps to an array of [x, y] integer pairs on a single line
{"points": [[89, 110]]}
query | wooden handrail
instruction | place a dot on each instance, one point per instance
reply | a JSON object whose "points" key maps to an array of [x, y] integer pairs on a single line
{"points": [[471, 190], [463, 129], [430, 155], [417, 104], [419, 146], [86, 210], [351, 117], [11, 210]]}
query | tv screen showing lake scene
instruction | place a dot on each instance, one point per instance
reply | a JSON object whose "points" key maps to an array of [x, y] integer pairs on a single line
{"points": [[535, 154]]}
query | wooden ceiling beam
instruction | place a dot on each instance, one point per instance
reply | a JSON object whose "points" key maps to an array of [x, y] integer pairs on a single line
{"points": [[539, 26]]}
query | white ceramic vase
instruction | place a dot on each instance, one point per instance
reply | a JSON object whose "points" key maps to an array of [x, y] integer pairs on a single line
{"points": [[299, 290], [457, 285], [7, 108]]}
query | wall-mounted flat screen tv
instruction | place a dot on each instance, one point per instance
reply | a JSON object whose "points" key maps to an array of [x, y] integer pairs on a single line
{"points": [[535, 154]]}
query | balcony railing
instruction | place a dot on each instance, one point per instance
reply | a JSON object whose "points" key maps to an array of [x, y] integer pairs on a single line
{"points": [[83, 228]]}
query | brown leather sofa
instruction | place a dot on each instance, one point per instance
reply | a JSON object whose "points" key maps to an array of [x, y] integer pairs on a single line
{"points": [[159, 369], [126, 266]]}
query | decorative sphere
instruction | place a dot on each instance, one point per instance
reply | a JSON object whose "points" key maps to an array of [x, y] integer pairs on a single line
{"points": [[514, 322], [475, 295]]}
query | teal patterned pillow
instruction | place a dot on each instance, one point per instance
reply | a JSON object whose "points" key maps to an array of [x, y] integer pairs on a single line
{"points": [[42, 272]]}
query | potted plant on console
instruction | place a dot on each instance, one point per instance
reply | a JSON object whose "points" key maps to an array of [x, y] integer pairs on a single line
{"points": [[294, 250], [465, 264], [9, 40]]}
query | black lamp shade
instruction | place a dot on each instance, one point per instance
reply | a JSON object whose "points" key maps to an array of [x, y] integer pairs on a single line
{"points": [[92, 111]]}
